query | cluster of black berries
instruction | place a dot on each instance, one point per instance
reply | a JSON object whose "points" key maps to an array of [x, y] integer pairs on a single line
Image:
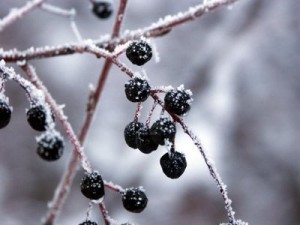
{"points": [[50, 142], [92, 187], [162, 132]]}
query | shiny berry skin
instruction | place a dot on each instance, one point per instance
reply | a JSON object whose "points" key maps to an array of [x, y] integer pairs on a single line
{"points": [[102, 9], [178, 101], [130, 133], [134, 200], [173, 164], [50, 146], [36, 117], [163, 129], [5, 114], [92, 185], [137, 90], [139, 52], [88, 222], [144, 141]]}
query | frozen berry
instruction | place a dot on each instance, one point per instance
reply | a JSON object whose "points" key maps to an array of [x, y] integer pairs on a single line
{"points": [[144, 141], [102, 9], [178, 101], [130, 133], [139, 52], [88, 222], [137, 89], [50, 146], [36, 117], [173, 164], [5, 114], [134, 200], [163, 129], [92, 185]]}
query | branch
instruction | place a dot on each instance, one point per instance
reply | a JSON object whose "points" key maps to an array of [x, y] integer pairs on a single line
{"points": [[161, 27], [19, 13]]}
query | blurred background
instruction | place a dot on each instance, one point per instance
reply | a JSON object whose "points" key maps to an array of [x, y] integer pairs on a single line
{"points": [[242, 64]]}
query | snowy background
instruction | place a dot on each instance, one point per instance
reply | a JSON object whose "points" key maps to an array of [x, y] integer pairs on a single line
{"points": [[242, 64]]}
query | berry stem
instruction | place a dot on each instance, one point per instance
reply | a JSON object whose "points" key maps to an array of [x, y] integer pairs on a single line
{"points": [[137, 113], [151, 113], [104, 212], [14, 15]]}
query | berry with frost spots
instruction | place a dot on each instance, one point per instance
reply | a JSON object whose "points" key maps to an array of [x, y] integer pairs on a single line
{"points": [[130, 133], [36, 117], [102, 9], [137, 89], [163, 129], [178, 101], [88, 222], [50, 146], [144, 141], [5, 114], [139, 52], [134, 200], [92, 185], [173, 164]]}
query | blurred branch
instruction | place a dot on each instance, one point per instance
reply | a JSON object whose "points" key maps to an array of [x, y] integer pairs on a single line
{"points": [[16, 14]]}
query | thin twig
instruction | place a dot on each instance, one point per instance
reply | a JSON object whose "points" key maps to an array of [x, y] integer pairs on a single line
{"points": [[155, 30], [19, 13]]}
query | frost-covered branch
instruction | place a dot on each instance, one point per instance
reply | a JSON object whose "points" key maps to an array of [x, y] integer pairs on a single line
{"points": [[157, 29], [16, 14]]}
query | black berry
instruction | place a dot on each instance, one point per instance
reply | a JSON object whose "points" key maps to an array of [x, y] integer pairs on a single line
{"points": [[139, 52], [134, 200], [163, 129], [102, 9], [5, 114], [173, 164], [137, 90], [144, 141], [36, 117], [88, 222], [50, 146], [130, 133], [178, 101], [92, 185]]}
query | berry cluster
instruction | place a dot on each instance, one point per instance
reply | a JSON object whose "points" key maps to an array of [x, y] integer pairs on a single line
{"points": [[177, 102]]}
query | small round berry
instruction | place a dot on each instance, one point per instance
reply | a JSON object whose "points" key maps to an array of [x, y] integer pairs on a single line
{"points": [[50, 146], [36, 117], [88, 222], [92, 185], [144, 141], [137, 89], [102, 9], [5, 114], [163, 129], [130, 133], [178, 101], [173, 164], [134, 200], [139, 52]]}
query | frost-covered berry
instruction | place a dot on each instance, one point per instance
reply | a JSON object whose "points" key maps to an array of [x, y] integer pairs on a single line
{"points": [[173, 164], [144, 141], [178, 101], [139, 52], [5, 114], [130, 133], [50, 146], [36, 117], [134, 200], [137, 89], [102, 9], [88, 222], [163, 129], [92, 185]]}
